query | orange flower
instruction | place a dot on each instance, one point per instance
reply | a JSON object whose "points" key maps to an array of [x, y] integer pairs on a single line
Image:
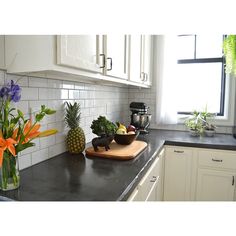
{"points": [[29, 131], [6, 144]]}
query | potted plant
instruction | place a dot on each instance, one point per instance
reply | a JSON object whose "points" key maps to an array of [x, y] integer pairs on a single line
{"points": [[17, 133], [229, 48], [209, 128], [105, 131], [195, 124]]}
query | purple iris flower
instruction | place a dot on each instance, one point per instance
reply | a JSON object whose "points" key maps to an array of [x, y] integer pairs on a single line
{"points": [[15, 92], [12, 92]]}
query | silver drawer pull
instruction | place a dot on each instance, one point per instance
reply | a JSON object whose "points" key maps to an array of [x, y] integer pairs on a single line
{"points": [[217, 160], [177, 151], [154, 179]]}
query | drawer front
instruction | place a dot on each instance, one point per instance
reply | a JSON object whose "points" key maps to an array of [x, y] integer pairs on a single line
{"points": [[149, 179], [178, 151], [217, 159]]}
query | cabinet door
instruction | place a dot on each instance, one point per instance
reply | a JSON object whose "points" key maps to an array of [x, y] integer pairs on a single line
{"points": [[80, 51], [116, 51], [213, 185], [177, 183], [152, 195], [2, 53], [135, 58], [146, 68], [160, 173]]}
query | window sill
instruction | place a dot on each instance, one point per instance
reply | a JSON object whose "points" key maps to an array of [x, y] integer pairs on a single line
{"points": [[219, 120]]}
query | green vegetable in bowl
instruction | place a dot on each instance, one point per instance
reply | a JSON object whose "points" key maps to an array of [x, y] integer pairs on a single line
{"points": [[103, 127]]}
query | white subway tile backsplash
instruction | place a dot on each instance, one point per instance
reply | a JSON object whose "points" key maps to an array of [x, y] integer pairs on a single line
{"points": [[64, 94], [38, 82], [31, 149], [60, 114], [29, 94], [74, 94], [79, 86], [40, 156], [68, 85], [24, 161], [35, 106], [47, 141], [57, 149], [60, 137], [89, 103], [53, 83], [93, 98], [84, 94], [20, 79]]}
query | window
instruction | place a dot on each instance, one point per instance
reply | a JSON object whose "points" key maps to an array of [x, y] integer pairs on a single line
{"points": [[200, 73]]}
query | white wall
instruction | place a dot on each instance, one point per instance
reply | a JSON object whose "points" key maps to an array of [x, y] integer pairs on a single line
{"points": [[95, 100]]}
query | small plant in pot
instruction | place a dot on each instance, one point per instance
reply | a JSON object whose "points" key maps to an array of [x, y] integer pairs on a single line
{"points": [[209, 128], [195, 124], [105, 131]]}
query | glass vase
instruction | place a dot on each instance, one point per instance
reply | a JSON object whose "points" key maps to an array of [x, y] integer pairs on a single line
{"points": [[9, 173]]}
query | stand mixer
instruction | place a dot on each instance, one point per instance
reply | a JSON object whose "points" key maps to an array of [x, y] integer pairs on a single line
{"points": [[140, 117]]}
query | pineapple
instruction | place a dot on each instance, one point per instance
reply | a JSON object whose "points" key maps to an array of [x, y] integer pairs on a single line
{"points": [[75, 139]]}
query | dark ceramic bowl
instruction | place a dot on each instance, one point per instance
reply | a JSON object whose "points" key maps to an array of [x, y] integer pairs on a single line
{"points": [[125, 139]]}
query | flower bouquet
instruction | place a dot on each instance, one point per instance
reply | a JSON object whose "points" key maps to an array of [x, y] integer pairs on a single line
{"points": [[16, 134]]}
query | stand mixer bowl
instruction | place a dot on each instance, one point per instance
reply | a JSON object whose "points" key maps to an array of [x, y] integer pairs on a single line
{"points": [[145, 120]]}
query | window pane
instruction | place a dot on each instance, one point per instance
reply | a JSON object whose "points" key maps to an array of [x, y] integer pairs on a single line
{"points": [[185, 47], [209, 46], [199, 85]]}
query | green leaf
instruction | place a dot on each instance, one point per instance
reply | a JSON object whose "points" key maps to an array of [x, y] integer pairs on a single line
{"points": [[20, 113], [49, 111], [43, 107], [39, 116], [21, 147]]}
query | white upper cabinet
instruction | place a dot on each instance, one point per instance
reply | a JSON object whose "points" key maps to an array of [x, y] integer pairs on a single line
{"points": [[2, 52], [77, 57], [79, 51], [135, 58], [117, 55], [147, 59], [141, 58]]}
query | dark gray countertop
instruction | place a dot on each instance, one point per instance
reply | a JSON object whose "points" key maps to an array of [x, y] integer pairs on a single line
{"points": [[69, 177]]}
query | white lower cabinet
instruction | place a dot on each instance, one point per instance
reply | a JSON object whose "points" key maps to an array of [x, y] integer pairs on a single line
{"points": [[150, 187], [216, 175], [215, 185], [189, 174], [177, 182]]}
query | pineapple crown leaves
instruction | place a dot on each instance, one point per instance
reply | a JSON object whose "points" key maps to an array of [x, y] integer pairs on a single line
{"points": [[72, 116]]}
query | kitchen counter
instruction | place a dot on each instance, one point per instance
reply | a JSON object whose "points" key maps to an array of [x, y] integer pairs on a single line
{"points": [[69, 177]]}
